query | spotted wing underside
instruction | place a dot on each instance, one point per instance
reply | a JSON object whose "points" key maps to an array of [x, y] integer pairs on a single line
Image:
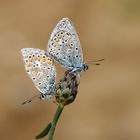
{"points": [[39, 67], [64, 45]]}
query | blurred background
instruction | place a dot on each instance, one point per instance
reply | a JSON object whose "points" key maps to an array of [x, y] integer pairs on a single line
{"points": [[107, 106]]}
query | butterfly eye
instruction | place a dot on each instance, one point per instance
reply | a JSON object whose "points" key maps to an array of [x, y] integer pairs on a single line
{"points": [[42, 96]]}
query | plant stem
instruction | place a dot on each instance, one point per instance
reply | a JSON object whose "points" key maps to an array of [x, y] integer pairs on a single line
{"points": [[54, 122]]}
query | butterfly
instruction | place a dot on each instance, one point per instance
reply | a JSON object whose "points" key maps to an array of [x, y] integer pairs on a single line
{"points": [[40, 68], [64, 47]]}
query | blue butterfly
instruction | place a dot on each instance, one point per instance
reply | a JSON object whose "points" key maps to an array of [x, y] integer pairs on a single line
{"points": [[64, 47]]}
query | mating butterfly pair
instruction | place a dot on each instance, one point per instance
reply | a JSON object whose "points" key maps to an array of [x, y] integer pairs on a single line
{"points": [[64, 48]]}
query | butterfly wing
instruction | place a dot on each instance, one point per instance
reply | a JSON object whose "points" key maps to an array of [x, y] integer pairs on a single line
{"points": [[39, 67], [64, 45]]}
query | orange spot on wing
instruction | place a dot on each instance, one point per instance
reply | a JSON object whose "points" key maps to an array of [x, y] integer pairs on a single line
{"points": [[44, 59], [38, 58], [50, 62], [34, 58]]}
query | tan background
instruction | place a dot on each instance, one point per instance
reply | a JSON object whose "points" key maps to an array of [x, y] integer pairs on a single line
{"points": [[108, 104]]}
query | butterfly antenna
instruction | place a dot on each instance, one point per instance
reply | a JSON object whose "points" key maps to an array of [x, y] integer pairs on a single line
{"points": [[93, 62], [98, 60], [30, 99]]}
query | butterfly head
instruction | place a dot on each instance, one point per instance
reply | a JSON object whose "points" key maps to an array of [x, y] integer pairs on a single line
{"points": [[45, 96], [84, 67]]}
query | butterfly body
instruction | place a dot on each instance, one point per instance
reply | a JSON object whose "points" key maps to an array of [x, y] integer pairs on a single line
{"points": [[77, 70]]}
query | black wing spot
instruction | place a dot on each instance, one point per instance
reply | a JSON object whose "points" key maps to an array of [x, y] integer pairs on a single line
{"points": [[39, 83], [33, 78], [68, 34]]}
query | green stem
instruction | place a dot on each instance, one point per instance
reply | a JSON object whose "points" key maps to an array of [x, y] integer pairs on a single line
{"points": [[54, 122]]}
